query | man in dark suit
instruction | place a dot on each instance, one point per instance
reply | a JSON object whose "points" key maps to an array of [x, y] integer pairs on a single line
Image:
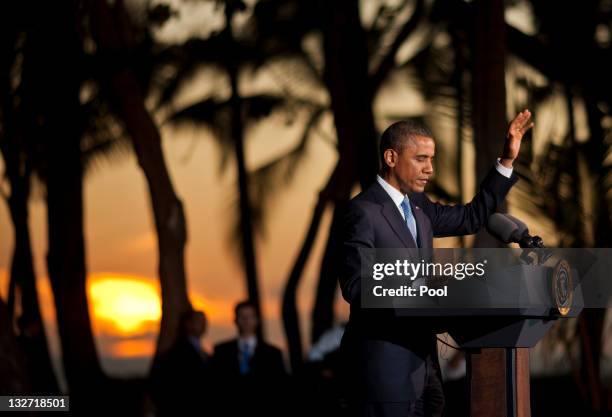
{"points": [[249, 372], [181, 375], [391, 361]]}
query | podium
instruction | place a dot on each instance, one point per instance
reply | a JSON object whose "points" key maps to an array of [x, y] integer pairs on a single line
{"points": [[497, 334]]}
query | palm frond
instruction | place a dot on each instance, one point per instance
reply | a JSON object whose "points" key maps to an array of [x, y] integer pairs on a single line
{"points": [[266, 181], [104, 138], [259, 106], [281, 170], [204, 112]]}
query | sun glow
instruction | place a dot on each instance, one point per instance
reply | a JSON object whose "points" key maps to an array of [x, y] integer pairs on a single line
{"points": [[127, 304]]}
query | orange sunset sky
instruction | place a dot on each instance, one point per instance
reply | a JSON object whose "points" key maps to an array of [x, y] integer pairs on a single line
{"points": [[121, 253], [121, 248]]}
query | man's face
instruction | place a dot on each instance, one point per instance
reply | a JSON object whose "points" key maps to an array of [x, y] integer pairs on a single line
{"points": [[410, 170], [246, 320], [195, 324]]}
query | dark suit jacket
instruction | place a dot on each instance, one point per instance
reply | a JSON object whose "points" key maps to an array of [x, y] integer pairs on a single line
{"points": [[265, 362], [261, 391], [178, 377], [386, 353]]}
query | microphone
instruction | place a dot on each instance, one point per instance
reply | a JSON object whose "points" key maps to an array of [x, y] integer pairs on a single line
{"points": [[509, 229], [522, 227]]}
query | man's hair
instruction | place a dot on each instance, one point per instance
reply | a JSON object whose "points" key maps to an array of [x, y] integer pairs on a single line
{"points": [[190, 315], [398, 134], [243, 304]]}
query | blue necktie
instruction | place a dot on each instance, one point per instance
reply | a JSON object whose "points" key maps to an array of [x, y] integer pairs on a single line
{"points": [[409, 218], [244, 359]]}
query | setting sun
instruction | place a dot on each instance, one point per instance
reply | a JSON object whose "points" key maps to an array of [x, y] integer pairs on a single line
{"points": [[126, 303]]}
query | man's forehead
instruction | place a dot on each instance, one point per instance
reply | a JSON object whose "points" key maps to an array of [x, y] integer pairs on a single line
{"points": [[418, 140], [246, 309], [418, 144]]}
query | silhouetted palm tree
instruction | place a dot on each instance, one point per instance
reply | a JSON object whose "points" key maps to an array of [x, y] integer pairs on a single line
{"points": [[231, 118], [115, 37], [584, 76], [13, 379], [18, 161], [54, 122], [351, 85]]}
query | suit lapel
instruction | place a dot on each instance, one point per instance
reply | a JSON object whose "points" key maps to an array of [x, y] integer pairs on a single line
{"points": [[235, 356], [391, 213], [424, 233], [423, 229]]}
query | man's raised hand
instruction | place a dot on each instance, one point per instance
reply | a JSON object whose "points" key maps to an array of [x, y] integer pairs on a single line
{"points": [[518, 127]]}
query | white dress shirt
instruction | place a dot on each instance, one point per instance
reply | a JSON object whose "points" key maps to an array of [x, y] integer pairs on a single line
{"points": [[249, 343]]}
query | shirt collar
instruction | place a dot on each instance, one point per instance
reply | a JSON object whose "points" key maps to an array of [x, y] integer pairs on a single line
{"points": [[395, 194], [251, 342]]}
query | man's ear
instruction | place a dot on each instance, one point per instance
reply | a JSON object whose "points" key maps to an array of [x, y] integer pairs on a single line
{"points": [[390, 157]]}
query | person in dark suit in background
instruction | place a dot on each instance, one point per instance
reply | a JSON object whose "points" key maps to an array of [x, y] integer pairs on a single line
{"points": [[182, 375], [249, 373], [391, 362]]}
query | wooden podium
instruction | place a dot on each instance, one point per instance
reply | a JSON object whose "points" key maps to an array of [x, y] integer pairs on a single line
{"points": [[496, 335], [498, 362], [497, 342]]}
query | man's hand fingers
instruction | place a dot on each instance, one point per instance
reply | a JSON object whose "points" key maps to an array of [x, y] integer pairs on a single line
{"points": [[525, 128], [517, 122], [523, 117], [521, 123]]}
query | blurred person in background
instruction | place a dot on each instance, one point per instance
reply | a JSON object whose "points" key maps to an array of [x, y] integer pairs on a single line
{"points": [[180, 379], [249, 373]]}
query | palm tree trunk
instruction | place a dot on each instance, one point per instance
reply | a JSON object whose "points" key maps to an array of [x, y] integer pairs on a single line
{"points": [[18, 170], [352, 89], [489, 122], [40, 371], [323, 312], [237, 134], [591, 321], [51, 100], [170, 224], [458, 82], [66, 263], [246, 226], [488, 91], [587, 74], [347, 80], [289, 308], [13, 380], [330, 192]]}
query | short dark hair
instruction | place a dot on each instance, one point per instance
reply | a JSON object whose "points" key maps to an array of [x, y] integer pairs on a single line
{"points": [[397, 135], [243, 304], [190, 315]]}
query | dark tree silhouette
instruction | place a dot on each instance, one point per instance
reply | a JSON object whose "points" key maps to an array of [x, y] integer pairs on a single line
{"points": [[232, 66], [352, 87], [281, 28], [584, 76], [13, 379], [488, 67], [18, 159], [115, 39], [234, 54], [55, 121]]}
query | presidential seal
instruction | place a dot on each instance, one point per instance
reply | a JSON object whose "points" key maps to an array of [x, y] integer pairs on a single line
{"points": [[562, 289]]}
